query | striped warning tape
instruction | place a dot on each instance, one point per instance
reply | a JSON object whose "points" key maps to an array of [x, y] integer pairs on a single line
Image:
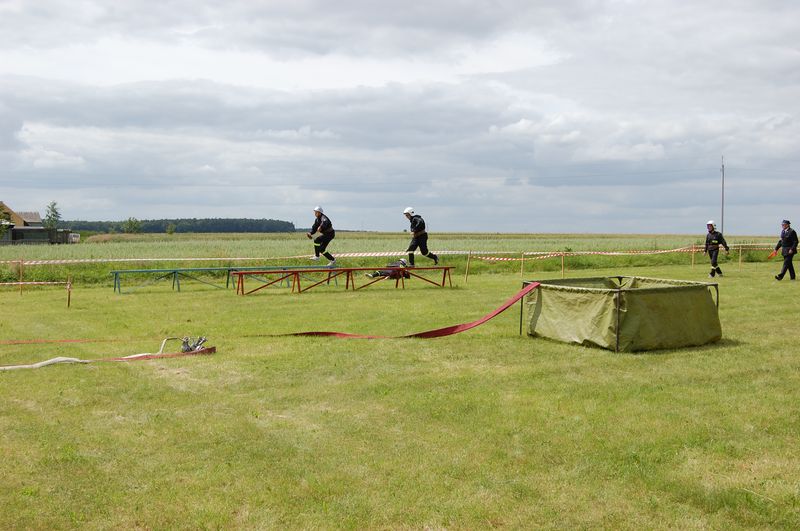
{"points": [[34, 283], [482, 255], [217, 259]]}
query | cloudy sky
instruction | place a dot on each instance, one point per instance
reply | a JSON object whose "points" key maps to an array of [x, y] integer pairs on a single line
{"points": [[502, 116]]}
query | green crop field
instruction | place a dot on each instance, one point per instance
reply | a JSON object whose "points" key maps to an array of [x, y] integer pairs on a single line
{"points": [[482, 429]]}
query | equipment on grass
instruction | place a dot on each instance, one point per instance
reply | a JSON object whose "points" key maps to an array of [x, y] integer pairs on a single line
{"points": [[191, 346], [625, 314], [188, 347], [429, 334]]}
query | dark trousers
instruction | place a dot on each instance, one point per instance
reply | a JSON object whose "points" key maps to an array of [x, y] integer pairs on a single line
{"points": [[420, 242], [787, 266], [321, 243], [713, 254]]}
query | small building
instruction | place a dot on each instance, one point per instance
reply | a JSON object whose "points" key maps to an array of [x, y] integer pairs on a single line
{"points": [[31, 219], [28, 227]]}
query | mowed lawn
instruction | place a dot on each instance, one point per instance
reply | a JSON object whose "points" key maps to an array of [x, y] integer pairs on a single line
{"points": [[483, 429]]}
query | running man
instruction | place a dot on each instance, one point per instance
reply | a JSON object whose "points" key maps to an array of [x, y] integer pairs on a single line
{"points": [[326, 233], [419, 237], [714, 239]]}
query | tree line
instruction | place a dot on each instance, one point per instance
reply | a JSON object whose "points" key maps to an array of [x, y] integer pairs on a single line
{"points": [[133, 225]]}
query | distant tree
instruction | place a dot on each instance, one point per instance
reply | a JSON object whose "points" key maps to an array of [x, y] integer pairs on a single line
{"points": [[191, 225], [171, 227], [4, 216], [131, 226], [52, 216]]}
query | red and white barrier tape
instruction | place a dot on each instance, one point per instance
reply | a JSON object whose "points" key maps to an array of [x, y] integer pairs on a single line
{"points": [[482, 255], [68, 284]]}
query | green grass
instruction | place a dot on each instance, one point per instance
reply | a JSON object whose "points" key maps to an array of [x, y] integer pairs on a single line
{"points": [[482, 429]]}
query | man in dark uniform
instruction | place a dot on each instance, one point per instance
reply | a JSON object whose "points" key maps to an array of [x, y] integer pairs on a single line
{"points": [[326, 234], [788, 246], [419, 237], [713, 240]]}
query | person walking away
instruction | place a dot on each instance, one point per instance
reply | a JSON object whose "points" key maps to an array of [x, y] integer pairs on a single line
{"points": [[326, 233], [419, 237], [714, 239], [788, 246]]}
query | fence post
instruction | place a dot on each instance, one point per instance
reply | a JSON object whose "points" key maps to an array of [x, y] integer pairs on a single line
{"points": [[740, 256], [21, 265], [692, 256], [69, 290], [562, 264], [466, 273], [522, 265]]}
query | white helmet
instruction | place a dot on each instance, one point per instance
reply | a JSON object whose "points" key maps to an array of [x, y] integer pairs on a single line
{"points": [[711, 222], [318, 209], [408, 210], [402, 261]]}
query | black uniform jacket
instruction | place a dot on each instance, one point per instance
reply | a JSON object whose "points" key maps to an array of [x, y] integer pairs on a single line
{"points": [[323, 224], [714, 239], [417, 225], [787, 242]]}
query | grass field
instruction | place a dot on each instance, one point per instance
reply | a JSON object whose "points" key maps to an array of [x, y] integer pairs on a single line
{"points": [[483, 429], [269, 249]]}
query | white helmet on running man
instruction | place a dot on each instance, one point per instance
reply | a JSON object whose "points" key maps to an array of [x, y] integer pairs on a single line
{"points": [[318, 209], [711, 222], [408, 210]]}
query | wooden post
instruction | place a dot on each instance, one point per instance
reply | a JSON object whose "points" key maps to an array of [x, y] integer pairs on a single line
{"points": [[562, 264], [522, 265], [466, 273], [692, 256], [21, 265], [69, 291], [740, 256]]}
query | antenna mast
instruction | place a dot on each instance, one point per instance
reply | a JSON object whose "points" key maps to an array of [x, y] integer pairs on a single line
{"points": [[722, 202]]}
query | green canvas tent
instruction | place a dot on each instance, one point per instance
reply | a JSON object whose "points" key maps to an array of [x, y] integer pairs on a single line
{"points": [[625, 314]]}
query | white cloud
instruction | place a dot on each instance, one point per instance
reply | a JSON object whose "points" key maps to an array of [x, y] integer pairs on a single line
{"points": [[472, 111]]}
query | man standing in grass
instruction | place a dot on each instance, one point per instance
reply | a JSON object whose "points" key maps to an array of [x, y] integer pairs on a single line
{"points": [[419, 237], [788, 246], [326, 233], [714, 239]]}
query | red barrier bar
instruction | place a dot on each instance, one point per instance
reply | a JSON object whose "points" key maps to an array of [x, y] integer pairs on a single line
{"points": [[332, 273]]}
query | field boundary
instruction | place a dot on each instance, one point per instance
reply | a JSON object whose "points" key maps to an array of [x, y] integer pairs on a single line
{"points": [[482, 255]]}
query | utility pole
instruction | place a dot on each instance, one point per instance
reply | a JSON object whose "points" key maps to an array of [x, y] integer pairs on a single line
{"points": [[722, 202]]}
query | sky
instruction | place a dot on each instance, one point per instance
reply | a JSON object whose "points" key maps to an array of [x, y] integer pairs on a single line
{"points": [[601, 116]]}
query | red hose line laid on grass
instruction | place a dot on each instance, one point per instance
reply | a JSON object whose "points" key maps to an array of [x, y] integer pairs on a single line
{"points": [[430, 334]]}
